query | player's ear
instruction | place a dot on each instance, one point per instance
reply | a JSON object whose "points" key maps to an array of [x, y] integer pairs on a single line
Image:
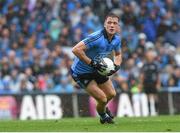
{"points": [[104, 24], [118, 30]]}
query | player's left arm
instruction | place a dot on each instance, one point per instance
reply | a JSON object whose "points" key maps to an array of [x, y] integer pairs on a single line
{"points": [[117, 62], [117, 55], [118, 58]]}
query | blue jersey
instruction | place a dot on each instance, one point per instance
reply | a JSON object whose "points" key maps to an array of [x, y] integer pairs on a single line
{"points": [[98, 46]]}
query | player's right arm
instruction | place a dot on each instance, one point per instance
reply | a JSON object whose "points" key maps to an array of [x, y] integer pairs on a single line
{"points": [[79, 50]]}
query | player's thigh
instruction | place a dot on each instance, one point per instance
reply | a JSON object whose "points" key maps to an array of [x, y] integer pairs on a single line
{"points": [[108, 88], [96, 92]]}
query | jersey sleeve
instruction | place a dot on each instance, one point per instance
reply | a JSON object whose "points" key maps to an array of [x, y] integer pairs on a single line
{"points": [[89, 42]]}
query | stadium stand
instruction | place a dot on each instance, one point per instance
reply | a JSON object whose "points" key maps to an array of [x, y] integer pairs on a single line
{"points": [[36, 35]]}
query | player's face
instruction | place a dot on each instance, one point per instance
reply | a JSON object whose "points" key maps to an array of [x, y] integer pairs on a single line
{"points": [[111, 25]]}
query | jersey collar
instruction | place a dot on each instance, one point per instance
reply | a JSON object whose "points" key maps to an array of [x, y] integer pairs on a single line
{"points": [[106, 36]]}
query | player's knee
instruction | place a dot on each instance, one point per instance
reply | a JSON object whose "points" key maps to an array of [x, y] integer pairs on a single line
{"points": [[103, 100], [111, 95]]}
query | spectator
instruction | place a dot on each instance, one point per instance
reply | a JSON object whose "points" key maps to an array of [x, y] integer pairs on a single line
{"points": [[25, 85], [150, 26], [174, 80], [64, 86], [55, 27], [172, 36], [5, 68], [14, 82], [6, 85]]}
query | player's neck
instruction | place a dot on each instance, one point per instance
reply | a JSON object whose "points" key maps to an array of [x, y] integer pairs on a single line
{"points": [[108, 36]]}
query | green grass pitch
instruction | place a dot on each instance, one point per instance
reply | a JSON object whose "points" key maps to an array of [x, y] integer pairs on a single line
{"points": [[135, 124]]}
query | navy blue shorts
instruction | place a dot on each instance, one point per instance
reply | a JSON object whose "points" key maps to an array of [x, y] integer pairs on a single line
{"points": [[84, 79], [150, 88]]}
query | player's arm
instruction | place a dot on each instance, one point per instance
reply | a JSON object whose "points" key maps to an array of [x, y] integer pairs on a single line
{"points": [[118, 58], [117, 62], [79, 50], [158, 85], [141, 79]]}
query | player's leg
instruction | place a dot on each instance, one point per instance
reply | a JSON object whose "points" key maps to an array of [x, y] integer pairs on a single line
{"points": [[98, 94], [108, 89], [101, 99], [153, 104], [150, 90], [85, 81]]}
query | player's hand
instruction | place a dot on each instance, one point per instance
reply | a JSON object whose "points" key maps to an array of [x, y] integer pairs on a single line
{"points": [[97, 65], [117, 67]]}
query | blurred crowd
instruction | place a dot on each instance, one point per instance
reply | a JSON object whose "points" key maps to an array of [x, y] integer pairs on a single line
{"points": [[33, 34]]}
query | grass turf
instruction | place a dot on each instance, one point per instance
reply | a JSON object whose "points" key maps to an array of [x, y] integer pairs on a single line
{"points": [[136, 124]]}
